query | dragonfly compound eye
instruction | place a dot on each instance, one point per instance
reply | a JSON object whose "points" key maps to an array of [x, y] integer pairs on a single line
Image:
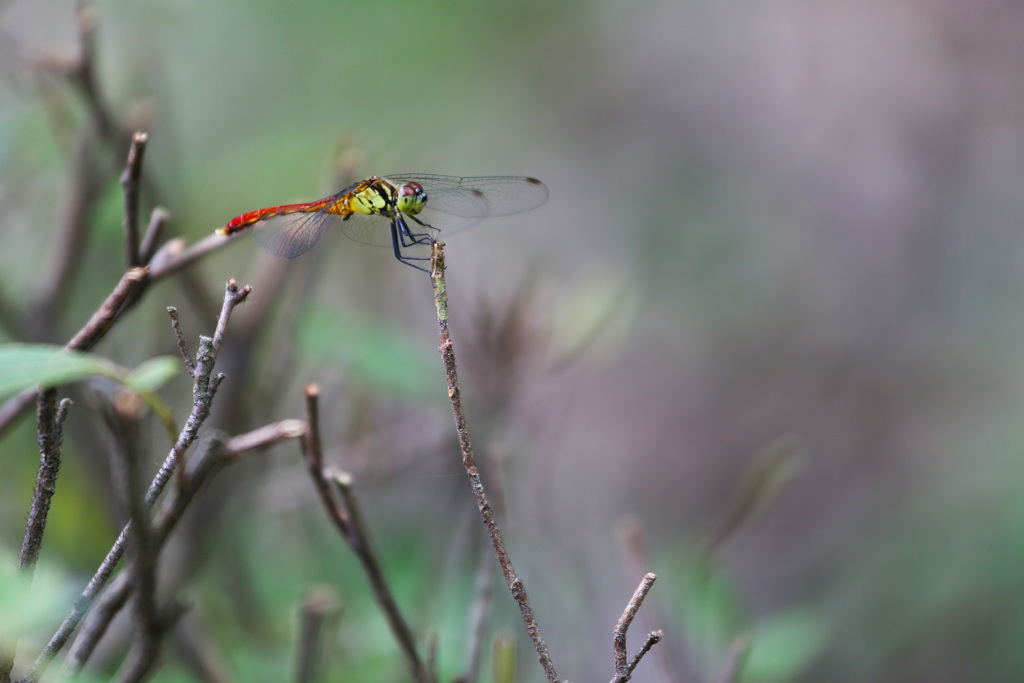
{"points": [[411, 198]]}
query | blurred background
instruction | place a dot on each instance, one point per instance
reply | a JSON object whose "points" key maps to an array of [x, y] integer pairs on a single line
{"points": [[764, 219]]}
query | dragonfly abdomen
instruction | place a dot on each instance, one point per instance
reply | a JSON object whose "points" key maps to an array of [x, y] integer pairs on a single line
{"points": [[250, 218]]}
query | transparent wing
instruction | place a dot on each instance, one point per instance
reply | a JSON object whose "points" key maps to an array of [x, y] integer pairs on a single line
{"points": [[292, 234], [367, 228], [479, 196]]}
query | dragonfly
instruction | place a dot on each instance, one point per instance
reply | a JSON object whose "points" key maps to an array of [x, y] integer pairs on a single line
{"points": [[390, 211]]}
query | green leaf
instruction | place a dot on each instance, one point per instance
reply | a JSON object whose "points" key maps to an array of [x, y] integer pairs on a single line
{"points": [[152, 374], [25, 366]]}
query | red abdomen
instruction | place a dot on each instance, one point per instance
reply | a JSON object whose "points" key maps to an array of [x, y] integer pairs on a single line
{"points": [[239, 223]]}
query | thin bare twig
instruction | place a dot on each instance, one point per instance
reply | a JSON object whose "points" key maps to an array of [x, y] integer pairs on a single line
{"points": [[203, 389], [359, 540], [515, 584], [88, 178], [83, 73], [652, 639], [313, 451], [130, 186], [154, 230], [622, 668], [51, 431], [177, 254], [106, 315], [128, 410], [630, 533], [182, 346], [318, 612], [214, 454], [137, 667], [484, 583], [345, 515], [264, 437]]}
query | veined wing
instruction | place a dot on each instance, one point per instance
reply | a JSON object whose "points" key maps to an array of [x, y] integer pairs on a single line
{"points": [[371, 228], [477, 197], [292, 234]]}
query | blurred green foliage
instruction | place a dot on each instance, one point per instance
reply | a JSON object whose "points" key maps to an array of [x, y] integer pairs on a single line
{"points": [[773, 218]]}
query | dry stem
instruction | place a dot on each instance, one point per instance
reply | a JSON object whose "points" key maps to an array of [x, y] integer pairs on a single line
{"points": [[130, 185], [515, 584], [343, 511]]}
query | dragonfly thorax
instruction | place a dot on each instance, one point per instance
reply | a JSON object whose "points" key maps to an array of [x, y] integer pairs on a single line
{"points": [[411, 198]]}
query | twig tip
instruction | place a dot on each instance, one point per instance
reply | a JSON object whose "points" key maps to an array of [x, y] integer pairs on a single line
{"points": [[136, 273], [342, 478], [293, 429]]}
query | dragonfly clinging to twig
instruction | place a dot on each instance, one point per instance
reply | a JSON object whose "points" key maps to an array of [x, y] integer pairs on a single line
{"points": [[389, 210]]}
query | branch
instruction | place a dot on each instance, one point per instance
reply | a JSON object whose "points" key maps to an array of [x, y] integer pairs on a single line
{"points": [[109, 311], [149, 627], [186, 357], [157, 220], [515, 584], [99, 324], [348, 520], [176, 255], [629, 531], [51, 432], [312, 449], [318, 611], [83, 73], [623, 670], [203, 390], [170, 259], [130, 186], [88, 179], [362, 546], [215, 454], [484, 586]]}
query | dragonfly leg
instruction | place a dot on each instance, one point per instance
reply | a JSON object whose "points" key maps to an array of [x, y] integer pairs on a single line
{"points": [[402, 258], [427, 237]]}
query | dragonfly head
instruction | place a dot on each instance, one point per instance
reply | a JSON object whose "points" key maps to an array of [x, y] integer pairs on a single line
{"points": [[411, 198]]}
